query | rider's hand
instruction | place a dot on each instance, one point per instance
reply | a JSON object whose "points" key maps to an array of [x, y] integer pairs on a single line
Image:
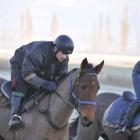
{"points": [[48, 86]]}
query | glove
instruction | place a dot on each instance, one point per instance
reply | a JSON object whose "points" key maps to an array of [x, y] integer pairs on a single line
{"points": [[48, 86]]}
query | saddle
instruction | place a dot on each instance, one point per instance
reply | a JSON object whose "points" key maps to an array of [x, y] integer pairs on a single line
{"points": [[28, 103], [115, 113]]}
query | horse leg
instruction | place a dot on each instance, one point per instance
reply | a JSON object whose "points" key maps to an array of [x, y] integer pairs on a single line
{"points": [[1, 138], [136, 135], [104, 136]]}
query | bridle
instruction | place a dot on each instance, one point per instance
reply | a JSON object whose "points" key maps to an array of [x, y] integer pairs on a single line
{"points": [[77, 102]]}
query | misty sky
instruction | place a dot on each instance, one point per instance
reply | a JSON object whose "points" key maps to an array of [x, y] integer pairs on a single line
{"points": [[71, 12], [78, 18]]}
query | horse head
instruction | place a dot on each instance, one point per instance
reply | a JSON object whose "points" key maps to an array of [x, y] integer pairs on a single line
{"points": [[77, 90], [87, 87]]}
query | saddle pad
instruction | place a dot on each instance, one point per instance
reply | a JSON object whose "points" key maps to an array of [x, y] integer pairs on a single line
{"points": [[115, 114], [28, 102]]}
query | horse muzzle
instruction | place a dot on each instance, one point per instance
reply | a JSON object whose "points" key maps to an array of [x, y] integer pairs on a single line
{"points": [[87, 115]]}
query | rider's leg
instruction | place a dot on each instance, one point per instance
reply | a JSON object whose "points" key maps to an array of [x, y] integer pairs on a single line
{"points": [[15, 109], [133, 108], [128, 119], [19, 88]]}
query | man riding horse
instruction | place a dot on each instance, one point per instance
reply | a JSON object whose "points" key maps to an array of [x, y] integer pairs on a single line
{"points": [[37, 65], [135, 106]]}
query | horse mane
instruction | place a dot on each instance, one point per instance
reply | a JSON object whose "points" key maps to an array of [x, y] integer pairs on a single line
{"points": [[89, 68], [73, 70], [65, 76]]}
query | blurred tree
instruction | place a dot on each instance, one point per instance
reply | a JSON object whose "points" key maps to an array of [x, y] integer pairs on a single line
{"points": [[26, 27], [54, 26], [124, 31]]}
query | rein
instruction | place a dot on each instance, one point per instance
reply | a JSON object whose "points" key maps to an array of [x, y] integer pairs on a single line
{"points": [[77, 104], [49, 117], [48, 111]]}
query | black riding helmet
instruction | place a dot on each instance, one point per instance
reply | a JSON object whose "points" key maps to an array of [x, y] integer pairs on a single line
{"points": [[64, 44]]}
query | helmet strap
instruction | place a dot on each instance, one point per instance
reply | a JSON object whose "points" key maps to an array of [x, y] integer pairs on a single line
{"points": [[55, 51]]}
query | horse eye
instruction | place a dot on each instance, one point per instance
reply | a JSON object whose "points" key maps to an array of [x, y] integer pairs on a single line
{"points": [[84, 86]]}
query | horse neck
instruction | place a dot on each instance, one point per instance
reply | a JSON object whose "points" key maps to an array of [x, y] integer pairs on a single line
{"points": [[60, 110]]}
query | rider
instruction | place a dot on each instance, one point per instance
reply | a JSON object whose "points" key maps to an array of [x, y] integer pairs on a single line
{"points": [[135, 106], [36, 65]]}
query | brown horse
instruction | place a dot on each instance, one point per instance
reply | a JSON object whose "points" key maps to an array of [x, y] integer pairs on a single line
{"points": [[102, 128], [78, 90]]}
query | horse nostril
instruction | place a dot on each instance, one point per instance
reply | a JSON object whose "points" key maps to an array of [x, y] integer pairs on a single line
{"points": [[85, 119], [86, 122]]}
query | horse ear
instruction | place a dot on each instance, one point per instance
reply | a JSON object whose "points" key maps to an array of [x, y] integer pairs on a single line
{"points": [[83, 63], [99, 67]]}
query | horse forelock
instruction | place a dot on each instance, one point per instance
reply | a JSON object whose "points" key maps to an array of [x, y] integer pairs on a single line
{"points": [[89, 68]]}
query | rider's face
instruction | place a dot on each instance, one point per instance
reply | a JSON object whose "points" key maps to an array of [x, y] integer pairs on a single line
{"points": [[60, 56]]}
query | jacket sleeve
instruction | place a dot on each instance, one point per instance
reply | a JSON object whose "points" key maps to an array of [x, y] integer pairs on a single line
{"points": [[31, 65]]}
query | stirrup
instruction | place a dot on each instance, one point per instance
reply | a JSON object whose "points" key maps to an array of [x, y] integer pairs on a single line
{"points": [[124, 131], [15, 122]]}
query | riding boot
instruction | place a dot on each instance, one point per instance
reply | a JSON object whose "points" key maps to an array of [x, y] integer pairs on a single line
{"points": [[125, 126], [15, 120]]}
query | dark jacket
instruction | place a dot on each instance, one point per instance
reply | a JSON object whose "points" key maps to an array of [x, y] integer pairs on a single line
{"points": [[39, 63]]}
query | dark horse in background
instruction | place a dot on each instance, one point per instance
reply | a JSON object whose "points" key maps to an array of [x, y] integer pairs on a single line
{"points": [[110, 111], [48, 120]]}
